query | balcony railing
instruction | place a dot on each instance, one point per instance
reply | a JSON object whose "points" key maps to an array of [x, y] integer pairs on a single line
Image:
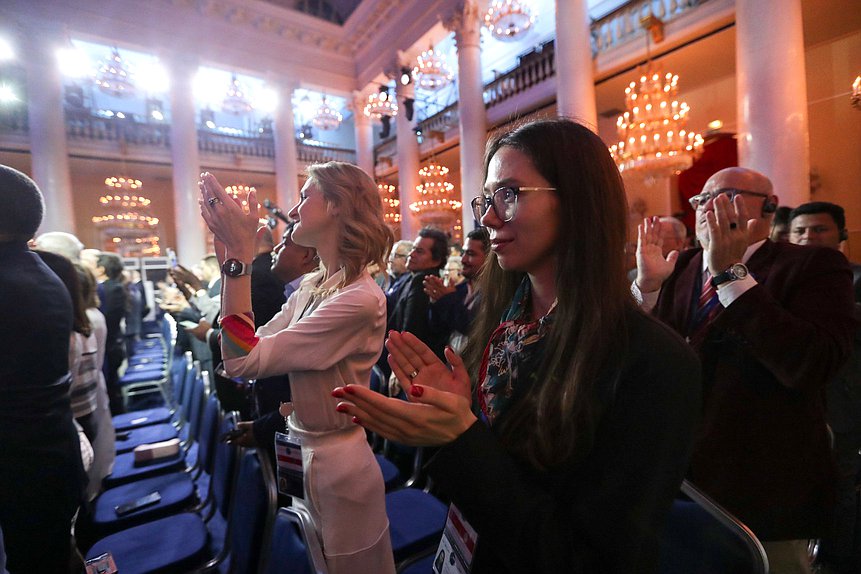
{"points": [[622, 25], [532, 69], [87, 128]]}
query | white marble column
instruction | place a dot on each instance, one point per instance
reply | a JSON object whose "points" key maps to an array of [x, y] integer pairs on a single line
{"points": [[408, 163], [48, 151], [575, 84], [190, 227], [286, 164], [466, 24], [771, 93], [364, 134]]}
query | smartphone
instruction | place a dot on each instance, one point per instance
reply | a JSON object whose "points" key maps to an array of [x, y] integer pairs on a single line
{"points": [[103, 564], [142, 502], [171, 258], [231, 435]]}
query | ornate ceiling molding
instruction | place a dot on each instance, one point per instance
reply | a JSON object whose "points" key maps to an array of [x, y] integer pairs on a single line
{"points": [[269, 22]]}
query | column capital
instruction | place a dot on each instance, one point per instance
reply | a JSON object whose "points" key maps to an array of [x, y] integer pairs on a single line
{"points": [[356, 104], [465, 22]]}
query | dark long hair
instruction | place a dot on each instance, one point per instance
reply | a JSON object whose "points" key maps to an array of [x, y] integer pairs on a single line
{"points": [[557, 417], [65, 270]]}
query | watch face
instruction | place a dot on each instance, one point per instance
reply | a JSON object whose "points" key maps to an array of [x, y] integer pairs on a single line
{"points": [[739, 270], [232, 267]]}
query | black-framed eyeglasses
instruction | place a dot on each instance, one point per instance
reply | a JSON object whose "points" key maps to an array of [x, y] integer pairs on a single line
{"points": [[503, 200], [731, 192]]}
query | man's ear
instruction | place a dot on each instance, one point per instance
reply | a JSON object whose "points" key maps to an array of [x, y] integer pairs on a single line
{"points": [[770, 205]]}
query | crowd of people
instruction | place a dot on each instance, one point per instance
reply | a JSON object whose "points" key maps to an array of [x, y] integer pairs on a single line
{"points": [[561, 395]]}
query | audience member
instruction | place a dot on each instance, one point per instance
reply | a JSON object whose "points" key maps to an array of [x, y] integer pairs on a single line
{"points": [[136, 308], [397, 266], [41, 473], [674, 237], [824, 224], [780, 225], [290, 263], [61, 243], [772, 324], [567, 456], [113, 301], [267, 290], [452, 307], [407, 303], [329, 333]]}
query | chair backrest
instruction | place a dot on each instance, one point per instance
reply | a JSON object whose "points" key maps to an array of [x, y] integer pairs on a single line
{"points": [[187, 387], [199, 392], [253, 503], [224, 466], [700, 537], [178, 372], [208, 433], [293, 547]]}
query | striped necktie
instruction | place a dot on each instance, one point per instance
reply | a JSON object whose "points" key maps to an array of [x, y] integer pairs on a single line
{"points": [[708, 305]]}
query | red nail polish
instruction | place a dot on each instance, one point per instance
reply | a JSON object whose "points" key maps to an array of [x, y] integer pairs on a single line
{"points": [[417, 391], [357, 421], [349, 390], [338, 393], [341, 408]]}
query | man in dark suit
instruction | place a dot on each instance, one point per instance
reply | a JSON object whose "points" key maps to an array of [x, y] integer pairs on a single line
{"points": [[824, 224], [772, 324], [41, 474], [113, 301], [407, 303]]}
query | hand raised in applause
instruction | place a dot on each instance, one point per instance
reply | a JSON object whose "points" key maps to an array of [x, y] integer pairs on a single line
{"points": [[438, 410], [652, 267], [233, 225], [729, 230], [435, 288]]}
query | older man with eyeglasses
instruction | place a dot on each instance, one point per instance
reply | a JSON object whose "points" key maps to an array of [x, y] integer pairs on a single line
{"points": [[772, 324]]}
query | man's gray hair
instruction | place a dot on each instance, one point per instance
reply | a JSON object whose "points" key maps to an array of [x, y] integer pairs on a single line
{"points": [[61, 243]]}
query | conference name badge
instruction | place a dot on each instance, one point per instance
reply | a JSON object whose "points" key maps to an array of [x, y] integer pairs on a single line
{"points": [[291, 473], [457, 547]]}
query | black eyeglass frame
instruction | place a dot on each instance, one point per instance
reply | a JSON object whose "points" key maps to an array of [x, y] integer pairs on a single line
{"points": [[732, 192], [478, 212]]}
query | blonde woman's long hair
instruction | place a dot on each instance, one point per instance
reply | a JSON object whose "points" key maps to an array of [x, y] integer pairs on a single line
{"points": [[363, 236]]}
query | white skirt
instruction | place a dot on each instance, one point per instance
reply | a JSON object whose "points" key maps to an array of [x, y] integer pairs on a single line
{"points": [[345, 496]]}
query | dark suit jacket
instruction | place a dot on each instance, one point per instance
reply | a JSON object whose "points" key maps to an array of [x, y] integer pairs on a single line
{"points": [[267, 291], [410, 312], [113, 300], [450, 313], [763, 450]]}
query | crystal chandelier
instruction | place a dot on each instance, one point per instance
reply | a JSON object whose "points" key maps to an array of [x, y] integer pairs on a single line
{"points": [[436, 205], [237, 191], [381, 104], [508, 20], [123, 184], [326, 118], [235, 100], [114, 76], [856, 93], [432, 71], [391, 205], [652, 134]]}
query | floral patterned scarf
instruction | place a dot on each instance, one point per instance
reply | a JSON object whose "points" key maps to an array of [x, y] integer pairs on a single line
{"points": [[512, 356]]}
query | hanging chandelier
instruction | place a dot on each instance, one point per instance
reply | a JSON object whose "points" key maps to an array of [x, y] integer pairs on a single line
{"points": [[381, 104], [114, 76], [123, 183], [432, 72], [436, 204], [391, 205], [124, 201], [509, 20], [326, 118], [653, 138], [235, 100]]}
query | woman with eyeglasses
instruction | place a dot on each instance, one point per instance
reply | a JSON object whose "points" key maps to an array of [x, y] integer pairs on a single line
{"points": [[328, 333], [564, 432]]}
